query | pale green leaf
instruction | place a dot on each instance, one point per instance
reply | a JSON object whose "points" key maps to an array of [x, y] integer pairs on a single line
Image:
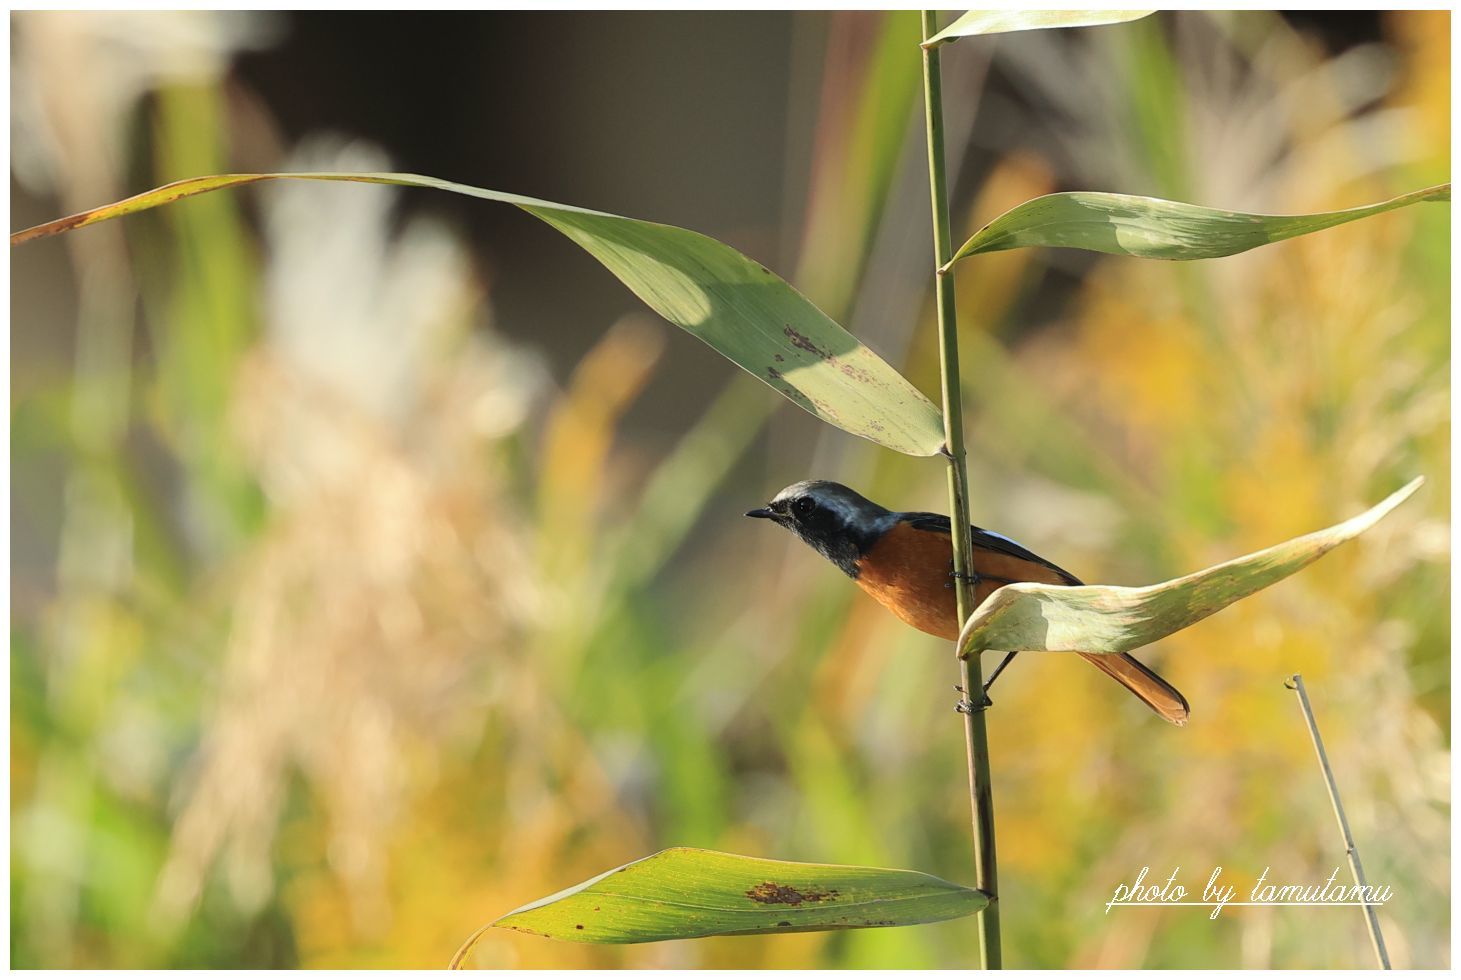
{"points": [[685, 893], [1114, 619], [737, 306], [1006, 21], [1150, 228]]}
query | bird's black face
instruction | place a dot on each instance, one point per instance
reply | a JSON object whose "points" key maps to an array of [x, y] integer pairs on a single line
{"points": [[840, 523]]}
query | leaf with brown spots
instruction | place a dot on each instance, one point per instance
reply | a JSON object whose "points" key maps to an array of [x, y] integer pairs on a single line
{"points": [[685, 893], [745, 312], [770, 893]]}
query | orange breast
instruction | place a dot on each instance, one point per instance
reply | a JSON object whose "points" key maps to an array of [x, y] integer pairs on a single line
{"points": [[908, 571]]}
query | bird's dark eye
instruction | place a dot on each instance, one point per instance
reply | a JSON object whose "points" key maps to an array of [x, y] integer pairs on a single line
{"points": [[804, 506]]}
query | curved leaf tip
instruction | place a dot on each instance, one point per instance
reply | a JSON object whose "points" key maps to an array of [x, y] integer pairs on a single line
{"points": [[1151, 228], [977, 22], [1116, 619]]}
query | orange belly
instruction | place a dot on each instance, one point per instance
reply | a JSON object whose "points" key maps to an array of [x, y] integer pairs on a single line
{"points": [[908, 571]]}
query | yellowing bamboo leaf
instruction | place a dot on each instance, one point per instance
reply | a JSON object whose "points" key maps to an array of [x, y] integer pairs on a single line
{"points": [[1150, 228], [1114, 619], [686, 893], [737, 306], [1006, 21]]}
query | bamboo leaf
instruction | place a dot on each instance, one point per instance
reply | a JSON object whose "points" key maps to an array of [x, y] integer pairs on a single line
{"points": [[686, 893], [1150, 228], [737, 306], [1114, 619], [976, 22]]}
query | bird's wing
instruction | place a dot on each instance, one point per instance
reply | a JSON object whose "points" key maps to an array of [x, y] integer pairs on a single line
{"points": [[989, 541], [1131, 673]]}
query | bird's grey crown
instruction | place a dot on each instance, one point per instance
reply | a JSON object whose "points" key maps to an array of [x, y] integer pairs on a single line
{"points": [[851, 506], [843, 526]]}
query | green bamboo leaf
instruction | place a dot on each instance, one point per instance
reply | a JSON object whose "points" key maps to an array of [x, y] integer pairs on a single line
{"points": [[1114, 619], [686, 893], [1150, 228], [737, 306], [1005, 21]]}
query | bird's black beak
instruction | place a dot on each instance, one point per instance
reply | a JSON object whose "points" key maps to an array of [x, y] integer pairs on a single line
{"points": [[765, 512]]}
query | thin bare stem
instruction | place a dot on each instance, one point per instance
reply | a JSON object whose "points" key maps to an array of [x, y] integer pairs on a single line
{"points": [[1296, 684], [976, 738]]}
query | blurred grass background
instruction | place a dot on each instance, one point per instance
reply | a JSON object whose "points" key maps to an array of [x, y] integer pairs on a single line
{"points": [[377, 565]]}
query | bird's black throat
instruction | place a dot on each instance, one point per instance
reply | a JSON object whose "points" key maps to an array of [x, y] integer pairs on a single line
{"points": [[842, 546]]}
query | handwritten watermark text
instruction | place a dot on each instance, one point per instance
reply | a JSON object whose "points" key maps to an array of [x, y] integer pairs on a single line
{"points": [[1217, 894]]}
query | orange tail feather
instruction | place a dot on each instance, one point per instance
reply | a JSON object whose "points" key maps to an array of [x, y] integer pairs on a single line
{"points": [[1145, 683]]}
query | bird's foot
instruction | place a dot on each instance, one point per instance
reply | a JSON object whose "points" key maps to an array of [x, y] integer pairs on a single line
{"points": [[973, 578], [967, 707]]}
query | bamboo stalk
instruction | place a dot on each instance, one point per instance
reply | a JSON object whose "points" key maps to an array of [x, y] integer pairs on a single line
{"points": [[976, 738], [1296, 684]]}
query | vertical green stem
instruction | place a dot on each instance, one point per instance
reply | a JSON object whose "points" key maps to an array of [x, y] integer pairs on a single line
{"points": [[1372, 922], [976, 738]]}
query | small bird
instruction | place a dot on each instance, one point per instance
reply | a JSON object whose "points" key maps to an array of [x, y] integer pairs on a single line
{"points": [[905, 561]]}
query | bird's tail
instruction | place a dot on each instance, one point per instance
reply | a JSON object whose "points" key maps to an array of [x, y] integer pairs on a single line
{"points": [[1145, 683]]}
